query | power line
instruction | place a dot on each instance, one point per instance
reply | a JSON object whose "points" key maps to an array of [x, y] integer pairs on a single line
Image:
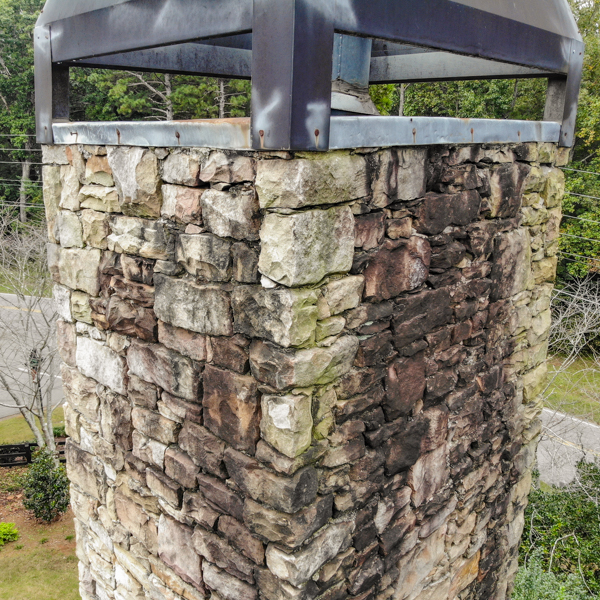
{"points": [[579, 255], [12, 162], [580, 219], [20, 150], [22, 181], [581, 238], [583, 196], [11, 135], [579, 171]]}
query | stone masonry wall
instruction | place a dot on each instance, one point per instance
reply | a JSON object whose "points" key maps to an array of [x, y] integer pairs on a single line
{"points": [[299, 377]]}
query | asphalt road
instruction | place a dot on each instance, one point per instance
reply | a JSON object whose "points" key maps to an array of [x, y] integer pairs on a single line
{"points": [[13, 362], [565, 441]]}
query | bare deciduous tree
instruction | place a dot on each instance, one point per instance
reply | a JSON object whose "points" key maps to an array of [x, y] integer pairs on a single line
{"points": [[28, 354]]}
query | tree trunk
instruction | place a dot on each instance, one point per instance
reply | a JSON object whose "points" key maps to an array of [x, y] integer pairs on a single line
{"points": [[402, 99], [25, 179], [221, 98], [168, 92]]}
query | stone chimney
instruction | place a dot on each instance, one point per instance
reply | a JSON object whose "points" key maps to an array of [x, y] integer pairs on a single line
{"points": [[302, 377]]}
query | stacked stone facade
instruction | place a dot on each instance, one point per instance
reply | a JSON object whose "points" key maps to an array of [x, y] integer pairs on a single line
{"points": [[306, 376]]}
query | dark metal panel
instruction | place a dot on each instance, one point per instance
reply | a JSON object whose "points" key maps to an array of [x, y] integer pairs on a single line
{"points": [[141, 24], [61, 9], [446, 25], [571, 95], [351, 59], [196, 59], [443, 66], [291, 74], [552, 15]]}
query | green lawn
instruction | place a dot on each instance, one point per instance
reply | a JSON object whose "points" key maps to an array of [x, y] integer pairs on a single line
{"points": [[14, 429], [576, 390]]}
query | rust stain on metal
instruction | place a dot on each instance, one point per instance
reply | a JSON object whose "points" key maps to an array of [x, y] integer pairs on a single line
{"points": [[414, 132], [317, 134], [472, 134], [118, 136], [178, 136]]}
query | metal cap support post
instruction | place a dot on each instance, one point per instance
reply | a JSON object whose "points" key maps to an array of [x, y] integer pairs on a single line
{"points": [[292, 61]]}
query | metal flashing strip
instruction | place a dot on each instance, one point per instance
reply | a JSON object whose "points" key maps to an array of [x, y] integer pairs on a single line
{"points": [[231, 134], [373, 132], [346, 132]]}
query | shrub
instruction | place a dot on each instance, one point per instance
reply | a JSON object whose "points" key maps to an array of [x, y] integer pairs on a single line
{"points": [[533, 583], [46, 487], [59, 431], [562, 528], [8, 533]]}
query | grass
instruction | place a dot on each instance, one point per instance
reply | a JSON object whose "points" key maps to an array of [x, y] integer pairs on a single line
{"points": [[41, 564], [576, 390], [15, 429]]}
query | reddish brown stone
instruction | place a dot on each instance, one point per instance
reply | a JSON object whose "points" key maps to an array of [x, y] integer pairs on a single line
{"points": [[137, 269], [375, 350], [231, 353], [420, 314], [217, 550], [282, 528], [221, 497], [369, 230], [196, 506], [173, 372], [129, 318], [138, 292], [205, 449], [287, 494], [232, 407], [188, 343], [399, 228], [405, 385], [142, 393], [437, 211], [444, 257], [425, 433], [399, 266], [507, 189], [241, 537], [180, 467], [164, 487], [67, 341]]}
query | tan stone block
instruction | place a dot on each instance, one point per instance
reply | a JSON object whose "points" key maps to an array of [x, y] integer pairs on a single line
{"points": [[287, 423], [100, 198], [98, 171], [80, 307], [232, 214], [182, 204], [95, 228], [52, 188], [69, 197]]}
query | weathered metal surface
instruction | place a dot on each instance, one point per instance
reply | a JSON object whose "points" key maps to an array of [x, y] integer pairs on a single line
{"points": [[292, 62], [208, 133], [373, 132], [296, 45], [141, 24], [442, 66], [346, 132], [196, 59]]}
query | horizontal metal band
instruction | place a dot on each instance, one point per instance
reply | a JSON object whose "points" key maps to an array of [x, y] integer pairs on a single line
{"points": [[373, 132], [231, 134], [443, 66], [346, 132]]}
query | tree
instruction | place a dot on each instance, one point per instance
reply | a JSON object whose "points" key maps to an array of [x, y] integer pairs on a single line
{"points": [[28, 355], [17, 118]]}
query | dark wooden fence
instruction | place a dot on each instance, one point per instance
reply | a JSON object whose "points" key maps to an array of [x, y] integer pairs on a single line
{"points": [[19, 455]]}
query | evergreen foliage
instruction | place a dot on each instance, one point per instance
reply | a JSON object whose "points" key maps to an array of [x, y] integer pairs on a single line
{"points": [[46, 488]]}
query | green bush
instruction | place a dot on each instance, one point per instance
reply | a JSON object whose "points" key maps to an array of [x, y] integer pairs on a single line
{"points": [[46, 487], [8, 533], [59, 431], [562, 528], [533, 583]]}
